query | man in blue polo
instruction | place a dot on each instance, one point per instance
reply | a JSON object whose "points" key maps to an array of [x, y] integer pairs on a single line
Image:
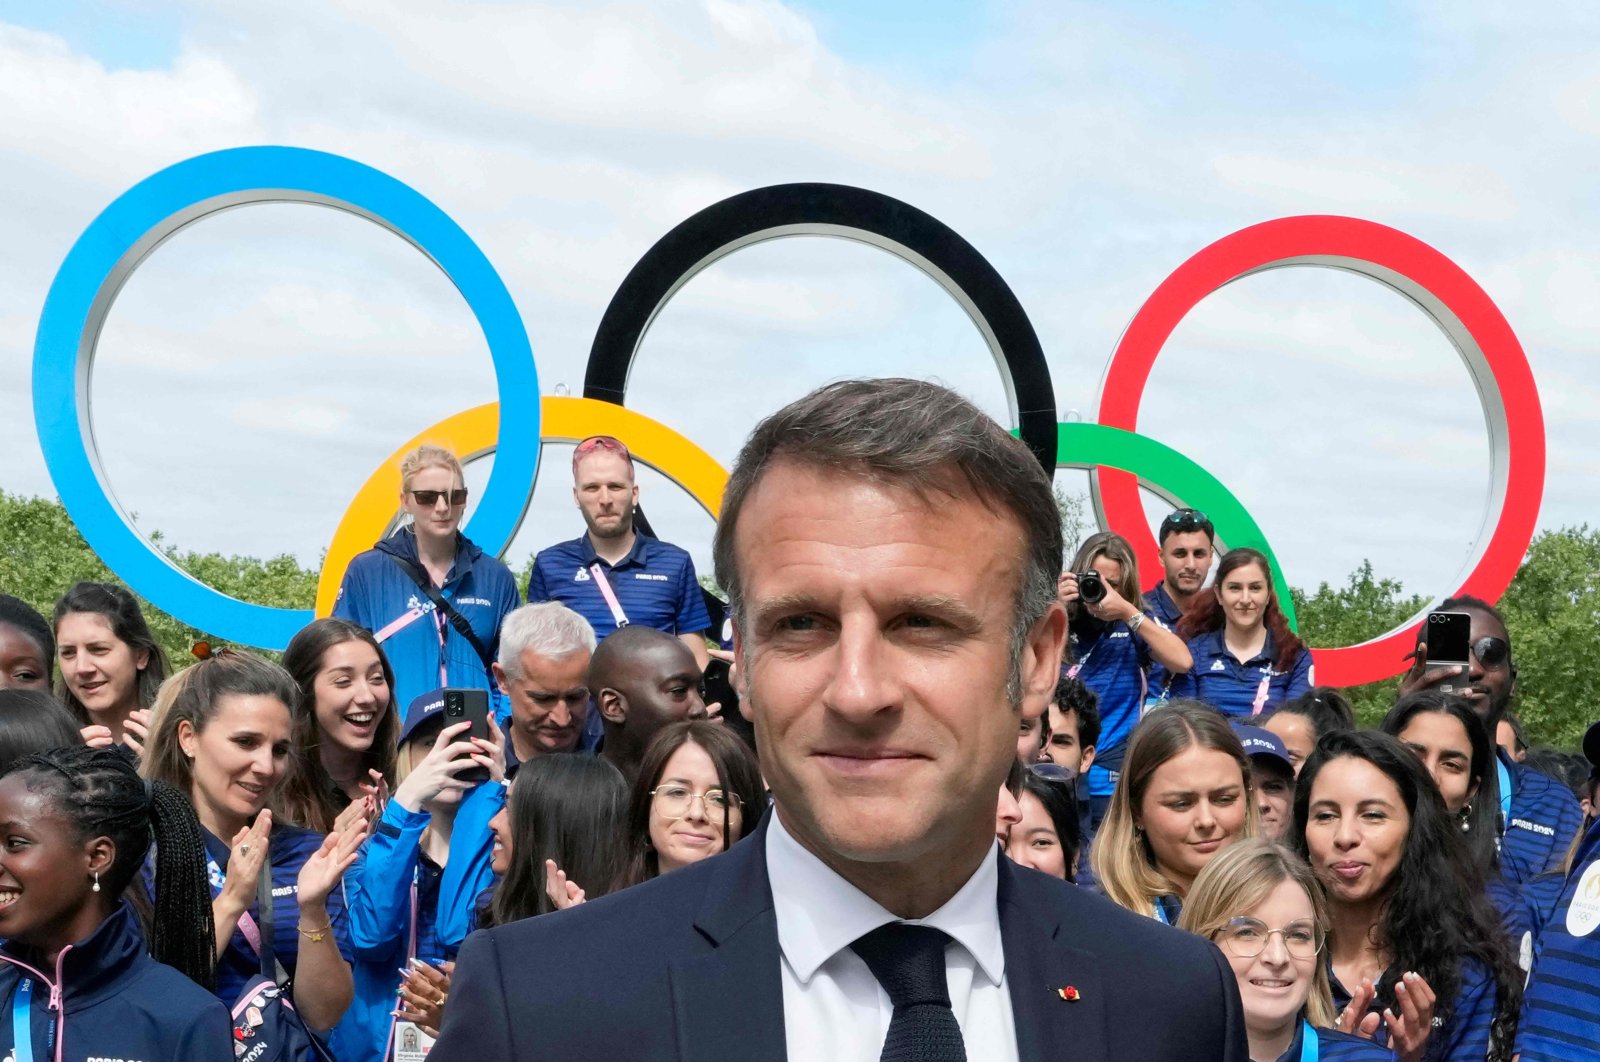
{"points": [[1539, 816], [612, 575], [1187, 542]]}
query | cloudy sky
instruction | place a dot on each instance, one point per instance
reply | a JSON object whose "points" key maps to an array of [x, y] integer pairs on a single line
{"points": [[261, 363]]}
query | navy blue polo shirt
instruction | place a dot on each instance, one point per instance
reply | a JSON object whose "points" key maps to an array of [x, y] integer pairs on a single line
{"points": [[1159, 604], [1113, 664], [1231, 687], [1335, 1046], [655, 584], [1544, 819], [1561, 1009]]}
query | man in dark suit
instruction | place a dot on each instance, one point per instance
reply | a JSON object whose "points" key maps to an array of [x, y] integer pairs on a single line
{"points": [[891, 556]]}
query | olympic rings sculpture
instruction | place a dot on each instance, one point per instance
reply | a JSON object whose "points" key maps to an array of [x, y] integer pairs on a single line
{"points": [[1121, 460]]}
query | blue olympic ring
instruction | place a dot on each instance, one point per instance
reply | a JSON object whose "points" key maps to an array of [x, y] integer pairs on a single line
{"points": [[128, 230]]}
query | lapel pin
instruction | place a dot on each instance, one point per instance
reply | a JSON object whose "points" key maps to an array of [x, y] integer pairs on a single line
{"points": [[1070, 994]]}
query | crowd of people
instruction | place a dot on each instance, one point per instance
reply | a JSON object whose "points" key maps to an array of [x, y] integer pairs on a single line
{"points": [[241, 857]]}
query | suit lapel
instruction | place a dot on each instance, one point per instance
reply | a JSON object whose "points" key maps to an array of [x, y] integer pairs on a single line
{"points": [[1040, 964], [729, 1000]]}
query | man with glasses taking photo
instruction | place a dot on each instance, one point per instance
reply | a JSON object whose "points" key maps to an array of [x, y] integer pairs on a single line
{"points": [[1188, 542], [1538, 815], [891, 555]]}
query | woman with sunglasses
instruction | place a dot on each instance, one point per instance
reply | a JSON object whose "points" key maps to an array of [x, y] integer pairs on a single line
{"points": [[697, 784], [432, 598], [1046, 835], [1416, 953], [1261, 905], [1245, 655]]}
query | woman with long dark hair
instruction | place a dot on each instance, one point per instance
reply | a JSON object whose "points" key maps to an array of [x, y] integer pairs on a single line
{"points": [[1047, 835], [1245, 656], [1183, 796], [345, 728], [111, 666], [699, 791], [1414, 937], [78, 960], [560, 838]]}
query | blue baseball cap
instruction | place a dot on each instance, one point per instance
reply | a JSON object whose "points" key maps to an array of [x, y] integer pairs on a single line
{"points": [[423, 710], [1260, 744]]}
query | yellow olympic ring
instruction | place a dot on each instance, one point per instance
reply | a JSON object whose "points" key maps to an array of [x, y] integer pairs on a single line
{"points": [[472, 433]]}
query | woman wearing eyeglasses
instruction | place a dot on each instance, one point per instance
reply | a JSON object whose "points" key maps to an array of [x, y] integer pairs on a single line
{"points": [[1416, 955], [432, 598], [1261, 905], [698, 791]]}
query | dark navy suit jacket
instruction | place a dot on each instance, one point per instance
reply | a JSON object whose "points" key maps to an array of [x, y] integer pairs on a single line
{"points": [[685, 968]]}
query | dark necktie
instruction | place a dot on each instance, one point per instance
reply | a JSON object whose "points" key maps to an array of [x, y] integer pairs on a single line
{"points": [[908, 962]]}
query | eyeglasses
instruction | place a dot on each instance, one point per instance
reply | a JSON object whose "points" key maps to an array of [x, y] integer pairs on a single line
{"points": [[608, 443], [1247, 937], [1491, 652], [429, 498], [1186, 520], [674, 801]]}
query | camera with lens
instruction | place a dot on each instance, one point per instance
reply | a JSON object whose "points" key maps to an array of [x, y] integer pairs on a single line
{"points": [[1091, 587]]}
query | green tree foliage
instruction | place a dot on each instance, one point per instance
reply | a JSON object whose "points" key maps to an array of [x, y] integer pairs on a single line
{"points": [[42, 554], [1363, 608], [1552, 607], [1553, 611]]}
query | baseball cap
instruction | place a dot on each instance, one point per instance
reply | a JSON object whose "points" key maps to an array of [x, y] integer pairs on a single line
{"points": [[1262, 744], [423, 709], [1591, 744]]}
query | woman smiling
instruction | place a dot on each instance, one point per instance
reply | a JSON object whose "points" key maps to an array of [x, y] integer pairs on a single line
{"points": [[1261, 905]]}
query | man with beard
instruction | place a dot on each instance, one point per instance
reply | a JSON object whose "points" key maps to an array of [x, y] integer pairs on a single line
{"points": [[612, 575], [1188, 542], [1538, 815]]}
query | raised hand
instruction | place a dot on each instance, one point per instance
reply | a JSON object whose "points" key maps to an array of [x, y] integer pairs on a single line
{"points": [[438, 770], [136, 730], [1409, 1029], [329, 862], [562, 893], [248, 851], [424, 990]]}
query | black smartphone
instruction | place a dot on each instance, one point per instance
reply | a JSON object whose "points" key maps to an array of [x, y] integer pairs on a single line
{"points": [[1449, 638], [462, 706], [716, 689]]}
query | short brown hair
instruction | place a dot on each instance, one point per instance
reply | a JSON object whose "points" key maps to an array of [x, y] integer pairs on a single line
{"points": [[913, 434]]}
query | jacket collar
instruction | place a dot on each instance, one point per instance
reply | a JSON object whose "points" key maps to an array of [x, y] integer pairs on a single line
{"points": [[403, 544], [730, 994], [639, 554], [95, 966]]}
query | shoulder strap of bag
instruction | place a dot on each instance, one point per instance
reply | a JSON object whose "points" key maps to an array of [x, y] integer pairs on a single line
{"points": [[442, 603], [271, 968]]}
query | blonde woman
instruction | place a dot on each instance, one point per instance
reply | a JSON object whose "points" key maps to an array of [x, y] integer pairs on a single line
{"points": [[431, 598], [1263, 907], [1183, 796]]}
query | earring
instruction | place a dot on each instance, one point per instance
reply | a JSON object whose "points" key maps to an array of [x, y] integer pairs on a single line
{"points": [[1466, 817], [96, 881]]}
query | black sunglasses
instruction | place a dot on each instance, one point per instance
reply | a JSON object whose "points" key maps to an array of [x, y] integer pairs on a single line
{"points": [[1186, 520], [429, 498], [1491, 652]]}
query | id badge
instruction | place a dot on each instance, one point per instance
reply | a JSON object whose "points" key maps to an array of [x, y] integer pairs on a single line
{"points": [[411, 1044]]}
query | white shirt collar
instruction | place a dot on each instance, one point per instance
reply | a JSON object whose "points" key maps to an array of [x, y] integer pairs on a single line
{"points": [[819, 913]]}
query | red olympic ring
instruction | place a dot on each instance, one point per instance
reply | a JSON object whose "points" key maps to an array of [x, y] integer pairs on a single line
{"points": [[1454, 301]]}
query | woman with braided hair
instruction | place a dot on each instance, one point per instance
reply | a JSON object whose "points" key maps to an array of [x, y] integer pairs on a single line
{"points": [[78, 974]]}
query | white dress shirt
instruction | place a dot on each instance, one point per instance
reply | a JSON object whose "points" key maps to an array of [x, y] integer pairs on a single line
{"points": [[834, 1010]]}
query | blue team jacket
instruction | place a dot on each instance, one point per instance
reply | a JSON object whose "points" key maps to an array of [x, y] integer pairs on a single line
{"points": [[107, 998], [1544, 819], [1561, 1010], [381, 597], [378, 890]]}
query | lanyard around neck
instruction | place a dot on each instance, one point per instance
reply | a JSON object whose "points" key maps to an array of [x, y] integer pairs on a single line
{"points": [[21, 1022], [1505, 792]]}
